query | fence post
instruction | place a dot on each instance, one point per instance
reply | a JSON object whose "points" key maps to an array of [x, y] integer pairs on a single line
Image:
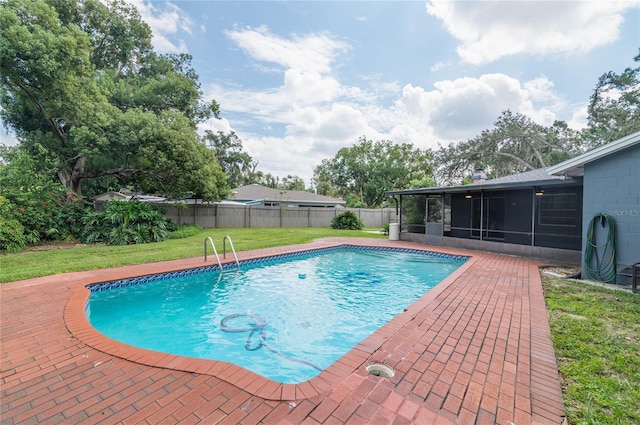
{"points": [[195, 211]]}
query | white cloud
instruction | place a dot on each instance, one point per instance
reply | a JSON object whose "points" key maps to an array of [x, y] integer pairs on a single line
{"points": [[299, 89], [490, 30], [578, 120], [215, 125], [166, 20], [341, 122], [163, 44], [312, 114], [461, 108], [437, 66], [452, 110], [312, 52], [541, 89], [309, 87]]}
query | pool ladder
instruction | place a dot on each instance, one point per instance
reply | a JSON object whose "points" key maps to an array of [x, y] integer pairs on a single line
{"points": [[224, 250]]}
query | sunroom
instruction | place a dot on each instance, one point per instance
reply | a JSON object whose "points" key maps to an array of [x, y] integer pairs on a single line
{"points": [[529, 214]]}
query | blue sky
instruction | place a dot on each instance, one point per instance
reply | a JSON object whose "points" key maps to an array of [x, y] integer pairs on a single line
{"points": [[299, 80]]}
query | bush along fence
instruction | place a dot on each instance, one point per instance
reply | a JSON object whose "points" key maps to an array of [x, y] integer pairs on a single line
{"points": [[235, 216]]}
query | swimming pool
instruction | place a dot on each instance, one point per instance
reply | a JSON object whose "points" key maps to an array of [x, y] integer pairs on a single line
{"points": [[298, 313]]}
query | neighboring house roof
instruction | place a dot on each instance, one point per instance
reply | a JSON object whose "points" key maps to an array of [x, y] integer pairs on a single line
{"points": [[575, 166], [528, 179], [107, 196], [110, 195], [256, 192]]}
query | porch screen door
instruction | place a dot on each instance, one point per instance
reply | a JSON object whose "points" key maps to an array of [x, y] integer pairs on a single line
{"points": [[435, 220]]}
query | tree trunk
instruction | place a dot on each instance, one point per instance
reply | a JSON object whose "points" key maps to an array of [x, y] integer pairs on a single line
{"points": [[72, 178]]}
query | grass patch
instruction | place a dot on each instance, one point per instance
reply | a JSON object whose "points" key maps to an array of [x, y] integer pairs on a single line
{"points": [[29, 264], [185, 231], [596, 336]]}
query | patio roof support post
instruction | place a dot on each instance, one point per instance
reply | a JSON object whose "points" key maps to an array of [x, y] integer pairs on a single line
{"points": [[397, 207], [533, 217], [481, 211], [442, 214]]}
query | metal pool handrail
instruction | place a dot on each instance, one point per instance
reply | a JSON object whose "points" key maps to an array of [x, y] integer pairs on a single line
{"points": [[224, 249], [208, 238]]}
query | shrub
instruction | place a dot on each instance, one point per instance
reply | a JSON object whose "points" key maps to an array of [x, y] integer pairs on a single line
{"points": [[346, 221], [35, 208], [12, 235], [126, 222]]}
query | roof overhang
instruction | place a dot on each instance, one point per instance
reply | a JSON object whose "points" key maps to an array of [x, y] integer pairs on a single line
{"points": [[286, 201], [575, 166], [531, 184]]}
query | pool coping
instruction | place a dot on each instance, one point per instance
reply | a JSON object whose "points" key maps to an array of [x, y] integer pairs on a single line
{"points": [[357, 358]]}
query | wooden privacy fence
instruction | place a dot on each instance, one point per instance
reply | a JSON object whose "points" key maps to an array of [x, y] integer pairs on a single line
{"points": [[233, 216]]}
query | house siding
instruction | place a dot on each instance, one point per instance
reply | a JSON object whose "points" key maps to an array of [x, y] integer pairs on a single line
{"points": [[612, 186]]}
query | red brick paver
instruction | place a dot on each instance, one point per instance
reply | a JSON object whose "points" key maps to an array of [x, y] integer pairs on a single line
{"points": [[474, 350]]}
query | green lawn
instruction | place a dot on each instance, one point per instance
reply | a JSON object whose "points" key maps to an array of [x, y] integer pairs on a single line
{"points": [[32, 263], [596, 336]]}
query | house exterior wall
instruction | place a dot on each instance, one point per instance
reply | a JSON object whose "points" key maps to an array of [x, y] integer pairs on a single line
{"points": [[612, 186]]}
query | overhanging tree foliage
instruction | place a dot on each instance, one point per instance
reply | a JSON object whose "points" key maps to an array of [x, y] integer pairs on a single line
{"points": [[614, 107], [80, 80], [363, 172], [516, 144]]}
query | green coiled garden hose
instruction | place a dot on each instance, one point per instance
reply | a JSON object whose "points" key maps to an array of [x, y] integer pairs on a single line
{"points": [[600, 260]]}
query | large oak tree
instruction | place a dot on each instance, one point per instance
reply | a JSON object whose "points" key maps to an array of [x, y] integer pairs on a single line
{"points": [[614, 107], [515, 144], [363, 172], [80, 80]]}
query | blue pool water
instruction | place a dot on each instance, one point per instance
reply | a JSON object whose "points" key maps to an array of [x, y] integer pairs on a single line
{"points": [[284, 318]]}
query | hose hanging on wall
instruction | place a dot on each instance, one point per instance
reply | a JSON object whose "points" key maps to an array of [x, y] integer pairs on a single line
{"points": [[600, 260]]}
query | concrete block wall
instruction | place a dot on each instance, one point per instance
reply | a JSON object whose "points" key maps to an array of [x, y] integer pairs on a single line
{"points": [[612, 186]]}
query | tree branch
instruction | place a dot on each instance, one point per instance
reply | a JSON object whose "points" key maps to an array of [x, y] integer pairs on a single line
{"points": [[519, 160], [56, 128]]}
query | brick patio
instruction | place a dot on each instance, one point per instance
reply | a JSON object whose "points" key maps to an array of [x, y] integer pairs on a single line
{"points": [[474, 350]]}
